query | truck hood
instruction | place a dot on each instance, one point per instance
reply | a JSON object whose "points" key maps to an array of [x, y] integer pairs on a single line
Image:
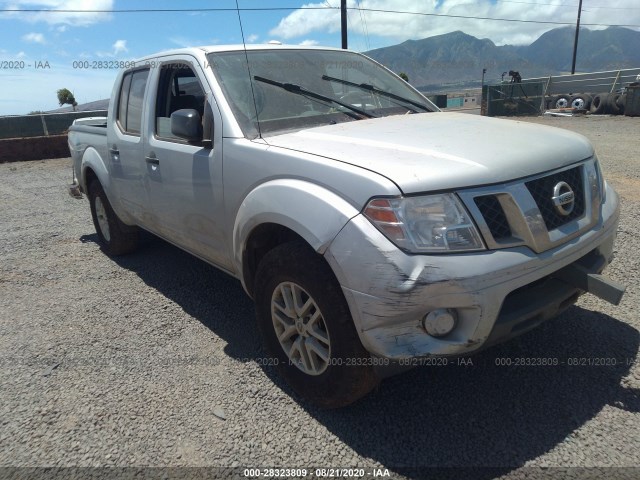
{"points": [[442, 151]]}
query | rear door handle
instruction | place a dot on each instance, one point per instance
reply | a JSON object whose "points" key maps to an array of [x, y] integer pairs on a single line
{"points": [[152, 160]]}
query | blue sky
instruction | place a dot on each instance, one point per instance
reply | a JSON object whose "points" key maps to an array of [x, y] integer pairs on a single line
{"points": [[40, 52]]}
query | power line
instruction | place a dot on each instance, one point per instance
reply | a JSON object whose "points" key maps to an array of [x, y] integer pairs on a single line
{"points": [[267, 9], [364, 25], [494, 19], [159, 10], [567, 5]]}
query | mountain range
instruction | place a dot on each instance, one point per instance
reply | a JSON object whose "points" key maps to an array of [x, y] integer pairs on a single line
{"points": [[458, 58]]}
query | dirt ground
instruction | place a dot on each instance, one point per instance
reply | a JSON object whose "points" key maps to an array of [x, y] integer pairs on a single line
{"points": [[153, 360]]}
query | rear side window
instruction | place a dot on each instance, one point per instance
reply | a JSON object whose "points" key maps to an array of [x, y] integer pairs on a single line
{"points": [[130, 102]]}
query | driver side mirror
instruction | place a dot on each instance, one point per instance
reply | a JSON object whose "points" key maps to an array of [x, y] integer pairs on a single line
{"points": [[187, 124]]}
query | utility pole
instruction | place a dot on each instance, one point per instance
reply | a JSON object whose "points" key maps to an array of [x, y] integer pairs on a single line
{"points": [[343, 22], [575, 42]]}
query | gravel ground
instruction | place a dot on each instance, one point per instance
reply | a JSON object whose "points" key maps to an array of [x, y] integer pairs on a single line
{"points": [[153, 360]]}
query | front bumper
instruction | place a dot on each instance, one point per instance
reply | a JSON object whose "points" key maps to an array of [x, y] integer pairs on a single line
{"points": [[497, 294]]}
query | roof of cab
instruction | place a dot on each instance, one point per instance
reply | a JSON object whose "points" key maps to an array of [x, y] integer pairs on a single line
{"points": [[232, 48]]}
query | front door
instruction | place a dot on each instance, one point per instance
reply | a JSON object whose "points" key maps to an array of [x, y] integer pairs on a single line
{"points": [[183, 179]]}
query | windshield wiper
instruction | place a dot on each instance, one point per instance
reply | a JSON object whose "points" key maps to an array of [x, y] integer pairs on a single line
{"points": [[371, 88], [298, 90]]}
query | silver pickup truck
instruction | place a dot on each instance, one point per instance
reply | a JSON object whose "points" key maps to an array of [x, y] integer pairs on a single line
{"points": [[370, 229]]}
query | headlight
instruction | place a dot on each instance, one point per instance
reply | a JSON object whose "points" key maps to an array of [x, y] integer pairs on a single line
{"points": [[429, 224]]}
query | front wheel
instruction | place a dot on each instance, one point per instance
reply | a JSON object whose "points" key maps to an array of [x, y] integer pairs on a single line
{"points": [[115, 237], [307, 328]]}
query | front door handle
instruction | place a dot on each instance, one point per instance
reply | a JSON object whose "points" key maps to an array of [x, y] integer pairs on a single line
{"points": [[152, 160], [115, 153]]}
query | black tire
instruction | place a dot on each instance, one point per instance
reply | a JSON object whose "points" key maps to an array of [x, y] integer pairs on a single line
{"points": [[548, 103], [115, 237], [612, 100], [561, 101], [622, 103], [599, 104], [581, 101], [294, 269]]}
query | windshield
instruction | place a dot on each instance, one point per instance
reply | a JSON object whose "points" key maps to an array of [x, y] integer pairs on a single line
{"points": [[296, 89]]}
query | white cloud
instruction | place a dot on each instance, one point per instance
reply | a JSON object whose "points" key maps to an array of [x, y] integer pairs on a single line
{"points": [[120, 47], [69, 12], [34, 38], [309, 43], [398, 27], [21, 55], [252, 38], [303, 22]]}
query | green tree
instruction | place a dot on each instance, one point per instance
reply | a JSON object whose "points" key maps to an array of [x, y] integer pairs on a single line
{"points": [[65, 97], [404, 76]]}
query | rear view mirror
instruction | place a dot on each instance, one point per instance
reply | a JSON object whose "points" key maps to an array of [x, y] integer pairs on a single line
{"points": [[187, 124]]}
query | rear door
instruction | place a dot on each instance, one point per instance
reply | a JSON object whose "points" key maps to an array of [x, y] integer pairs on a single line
{"points": [[184, 179], [125, 143]]}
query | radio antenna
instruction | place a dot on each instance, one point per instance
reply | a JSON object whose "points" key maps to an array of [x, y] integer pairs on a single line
{"points": [[246, 56]]}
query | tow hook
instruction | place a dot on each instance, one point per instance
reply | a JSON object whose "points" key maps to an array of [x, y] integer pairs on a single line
{"points": [[594, 283]]}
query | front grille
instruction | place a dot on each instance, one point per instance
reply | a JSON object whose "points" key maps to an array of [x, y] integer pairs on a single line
{"points": [[541, 190], [494, 216], [522, 212]]}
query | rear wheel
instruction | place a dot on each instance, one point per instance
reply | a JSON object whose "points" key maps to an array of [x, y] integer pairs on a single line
{"points": [[115, 237], [307, 328]]}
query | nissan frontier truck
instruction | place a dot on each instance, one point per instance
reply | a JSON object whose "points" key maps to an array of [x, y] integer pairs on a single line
{"points": [[371, 229]]}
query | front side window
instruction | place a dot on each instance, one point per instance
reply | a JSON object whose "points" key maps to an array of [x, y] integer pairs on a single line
{"points": [[130, 101], [179, 89], [283, 90]]}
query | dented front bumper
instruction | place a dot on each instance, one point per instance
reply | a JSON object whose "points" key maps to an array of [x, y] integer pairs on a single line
{"points": [[496, 294]]}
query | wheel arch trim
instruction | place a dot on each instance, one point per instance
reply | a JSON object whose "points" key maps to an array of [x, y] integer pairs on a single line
{"points": [[307, 209], [91, 159]]}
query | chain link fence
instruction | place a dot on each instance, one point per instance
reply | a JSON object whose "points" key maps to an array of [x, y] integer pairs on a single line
{"points": [[42, 125], [512, 99], [535, 95]]}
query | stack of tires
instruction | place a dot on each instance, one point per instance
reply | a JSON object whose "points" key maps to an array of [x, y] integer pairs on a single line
{"points": [[598, 104]]}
